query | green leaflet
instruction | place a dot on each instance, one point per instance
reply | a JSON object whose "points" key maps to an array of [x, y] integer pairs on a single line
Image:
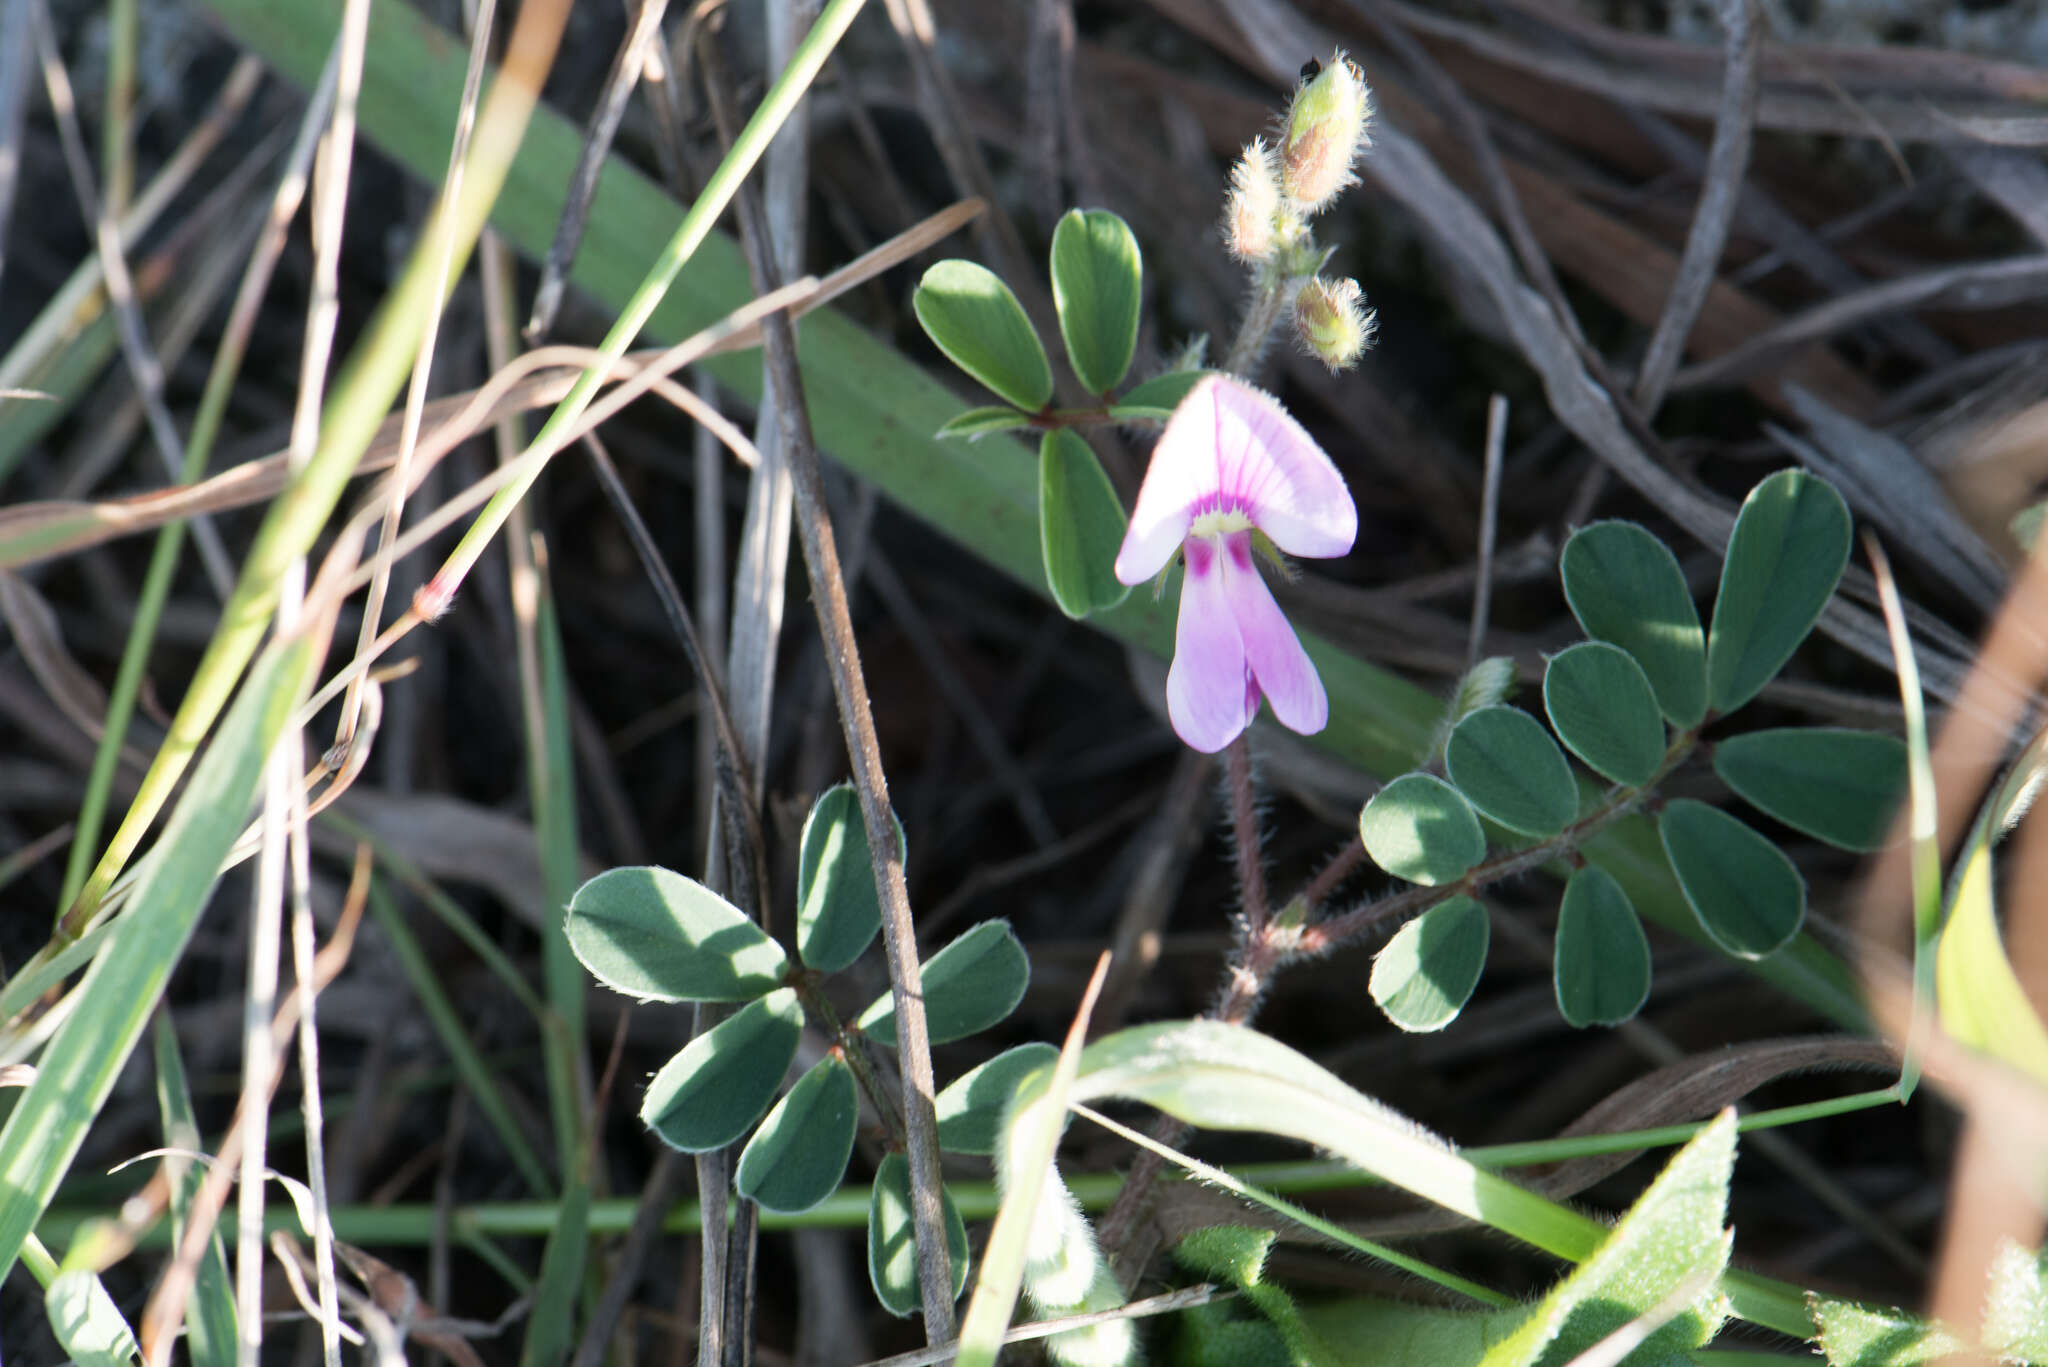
{"points": [[1096, 274], [972, 316]]}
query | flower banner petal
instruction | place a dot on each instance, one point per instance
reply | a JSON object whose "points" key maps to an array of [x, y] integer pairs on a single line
{"points": [[1280, 666], [1180, 478], [1205, 688], [1277, 474]]}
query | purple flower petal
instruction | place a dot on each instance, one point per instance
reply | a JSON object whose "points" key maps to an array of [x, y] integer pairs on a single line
{"points": [[1279, 665], [1276, 472], [1181, 476], [1206, 696]]}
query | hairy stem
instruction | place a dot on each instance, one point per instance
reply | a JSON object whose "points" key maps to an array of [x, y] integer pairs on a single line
{"points": [[1271, 943], [1336, 931], [1270, 294]]}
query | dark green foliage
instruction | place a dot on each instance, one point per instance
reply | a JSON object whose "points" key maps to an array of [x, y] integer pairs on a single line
{"points": [[1748, 897], [1603, 709], [798, 1156], [1625, 587], [1426, 973], [1601, 968], [968, 986], [1510, 769], [1835, 785]]}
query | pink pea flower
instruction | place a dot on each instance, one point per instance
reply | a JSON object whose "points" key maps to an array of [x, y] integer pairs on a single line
{"points": [[1232, 462]]}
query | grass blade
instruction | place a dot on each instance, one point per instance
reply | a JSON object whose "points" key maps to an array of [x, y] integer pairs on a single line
{"points": [[115, 997]]}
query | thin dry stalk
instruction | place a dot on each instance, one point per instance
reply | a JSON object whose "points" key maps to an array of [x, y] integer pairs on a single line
{"points": [[121, 295], [1720, 192]]}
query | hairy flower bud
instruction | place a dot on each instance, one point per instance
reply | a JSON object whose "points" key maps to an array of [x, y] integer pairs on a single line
{"points": [[1254, 205], [1332, 321], [1326, 130]]}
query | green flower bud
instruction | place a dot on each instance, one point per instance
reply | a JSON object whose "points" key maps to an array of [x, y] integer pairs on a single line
{"points": [[1253, 206], [1326, 130], [1332, 321]]}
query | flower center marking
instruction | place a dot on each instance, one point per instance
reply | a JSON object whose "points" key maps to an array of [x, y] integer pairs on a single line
{"points": [[1220, 522]]}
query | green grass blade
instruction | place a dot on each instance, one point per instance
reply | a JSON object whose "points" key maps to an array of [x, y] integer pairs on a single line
{"points": [[77, 1070], [551, 1330], [1223, 1077], [210, 1313], [552, 790], [1308, 1219], [476, 1073], [551, 778], [356, 405], [1923, 820], [689, 235]]}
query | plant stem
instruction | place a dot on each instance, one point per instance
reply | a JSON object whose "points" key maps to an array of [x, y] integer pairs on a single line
{"points": [[1269, 298], [1271, 943], [849, 685], [850, 1044], [1333, 932], [1341, 866]]}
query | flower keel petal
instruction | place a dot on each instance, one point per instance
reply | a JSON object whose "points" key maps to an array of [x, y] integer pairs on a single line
{"points": [[1206, 696], [1281, 668]]}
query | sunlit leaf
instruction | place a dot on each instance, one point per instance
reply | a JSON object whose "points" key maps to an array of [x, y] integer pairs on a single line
{"points": [[892, 1238], [972, 316], [1625, 587], [969, 985], [721, 1082], [1674, 1237], [798, 1156], [88, 1324], [1426, 973], [1981, 999], [1854, 1335], [658, 936], [1420, 828], [2016, 1306], [838, 911], [1096, 273], [970, 1109]]}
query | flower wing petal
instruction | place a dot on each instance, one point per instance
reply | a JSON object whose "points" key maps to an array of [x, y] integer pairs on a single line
{"points": [[1205, 688], [1284, 480], [1282, 669], [1181, 475]]}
